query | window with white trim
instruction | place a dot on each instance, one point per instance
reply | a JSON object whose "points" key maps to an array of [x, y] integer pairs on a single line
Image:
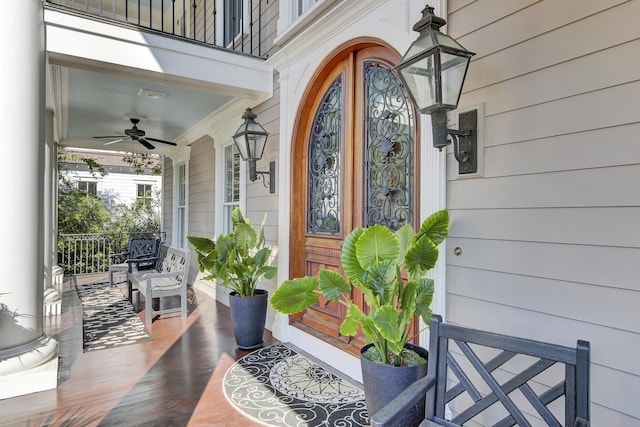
{"points": [[305, 5], [231, 185], [144, 195], [89, 187], [181, 205]]}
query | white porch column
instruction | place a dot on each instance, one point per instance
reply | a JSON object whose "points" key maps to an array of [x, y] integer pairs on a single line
{"points": [[28, 358]]}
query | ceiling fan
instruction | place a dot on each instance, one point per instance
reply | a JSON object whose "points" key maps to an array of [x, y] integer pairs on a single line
{"points": [[136, 134]]}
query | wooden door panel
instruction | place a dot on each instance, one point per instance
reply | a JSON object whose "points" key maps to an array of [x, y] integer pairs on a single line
{"points": [[318, 245]]}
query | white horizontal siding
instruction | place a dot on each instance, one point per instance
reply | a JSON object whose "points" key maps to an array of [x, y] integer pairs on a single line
{"points": [[549, 236], [614, 186]]}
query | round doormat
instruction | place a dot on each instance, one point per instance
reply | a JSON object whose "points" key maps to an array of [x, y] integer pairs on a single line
{"points": [[276, 386]]}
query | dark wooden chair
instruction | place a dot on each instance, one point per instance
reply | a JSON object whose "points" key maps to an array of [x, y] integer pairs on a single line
{"points": [[136, 258], [485, 378]]}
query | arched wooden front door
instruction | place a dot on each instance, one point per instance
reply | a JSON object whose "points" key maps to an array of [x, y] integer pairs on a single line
{"points": [[354, 165]]}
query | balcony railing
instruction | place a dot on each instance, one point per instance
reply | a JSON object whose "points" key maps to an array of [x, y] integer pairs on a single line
{"points": [[90, 253], [196, 20]]}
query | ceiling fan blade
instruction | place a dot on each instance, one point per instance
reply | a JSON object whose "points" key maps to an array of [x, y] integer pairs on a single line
{"points": [[160, 140], [146, 143], [114, 141], [109, 136]]}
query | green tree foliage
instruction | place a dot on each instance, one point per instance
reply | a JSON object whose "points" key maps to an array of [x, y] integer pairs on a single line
{"points": [[79, 212]]}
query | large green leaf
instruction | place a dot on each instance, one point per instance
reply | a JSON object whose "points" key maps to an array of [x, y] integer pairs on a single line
{"points": [[408, 299], [381, 281], [208, 262], [404, 235], [295, 295], [261, 257], [268, 272], [424, 297], [349, 258], [202, 245], [246, 238], [376, 244], [331, 284], [354, 317], [422, 255], [386, 321], [435, 227], [224, 246], [369, 328], [237, 217]]}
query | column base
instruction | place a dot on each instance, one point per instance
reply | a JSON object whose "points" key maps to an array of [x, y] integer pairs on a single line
{"points": [[32, 371], [52, 302]]}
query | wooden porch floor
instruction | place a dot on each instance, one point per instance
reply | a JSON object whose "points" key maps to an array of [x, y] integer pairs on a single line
{"points": [[175, 379]]}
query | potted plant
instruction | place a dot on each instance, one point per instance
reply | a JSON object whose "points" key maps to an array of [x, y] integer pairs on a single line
{"points": [[239, 260], [390, 269]]}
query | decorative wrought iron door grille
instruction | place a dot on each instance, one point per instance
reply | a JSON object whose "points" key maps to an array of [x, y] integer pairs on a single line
{"points": [[389, 149]]}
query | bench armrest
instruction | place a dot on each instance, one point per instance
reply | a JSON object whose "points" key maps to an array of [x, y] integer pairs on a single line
{"points": [[388, 415]]}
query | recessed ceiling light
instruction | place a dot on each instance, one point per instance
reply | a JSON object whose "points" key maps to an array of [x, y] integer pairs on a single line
{"points": [[152, 94]]}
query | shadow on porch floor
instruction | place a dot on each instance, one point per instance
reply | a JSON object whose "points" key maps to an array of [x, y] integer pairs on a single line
{"points": [[172, 380]]}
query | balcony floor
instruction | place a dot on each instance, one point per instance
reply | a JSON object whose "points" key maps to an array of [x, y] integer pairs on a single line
{"points": [[172, 380]]}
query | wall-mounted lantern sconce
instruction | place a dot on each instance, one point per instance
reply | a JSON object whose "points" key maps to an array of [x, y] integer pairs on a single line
{"points": [[251, 138], [433, 70]]}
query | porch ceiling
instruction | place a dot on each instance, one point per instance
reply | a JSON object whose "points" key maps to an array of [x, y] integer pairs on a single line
{"points": [[101, 74]]}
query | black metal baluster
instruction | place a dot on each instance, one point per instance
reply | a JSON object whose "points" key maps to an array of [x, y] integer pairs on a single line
{"points": [[193, 23], [215, 23], [184, 16], [259, 27], [173, 17], [138, 12], [162, 16], [204, 19], [150, 14], [251, 27]]}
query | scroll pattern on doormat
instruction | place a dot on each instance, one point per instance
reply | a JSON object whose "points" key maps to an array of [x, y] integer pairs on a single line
{"points": [[276, 386]]}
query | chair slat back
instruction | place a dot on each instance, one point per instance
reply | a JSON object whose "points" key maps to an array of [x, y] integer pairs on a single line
{"points": [[142, 248], [174, 260], [474, 379]]}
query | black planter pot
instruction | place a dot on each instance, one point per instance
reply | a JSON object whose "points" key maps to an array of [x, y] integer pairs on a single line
{"points": [[382, 383], [248, 315]]}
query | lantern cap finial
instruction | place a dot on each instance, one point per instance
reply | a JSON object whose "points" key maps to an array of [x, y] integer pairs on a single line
{"points": [[429, 20], [248, 114]]}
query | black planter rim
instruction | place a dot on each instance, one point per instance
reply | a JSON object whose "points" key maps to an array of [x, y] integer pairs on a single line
{"points": [[256, 293]]}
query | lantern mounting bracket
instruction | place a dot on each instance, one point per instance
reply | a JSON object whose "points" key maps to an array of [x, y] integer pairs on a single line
{"points": [[465, 139], [268, 177]]}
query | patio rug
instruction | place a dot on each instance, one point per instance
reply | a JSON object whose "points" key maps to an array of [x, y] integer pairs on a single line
{"points": [[108, 318], [276, 386]]}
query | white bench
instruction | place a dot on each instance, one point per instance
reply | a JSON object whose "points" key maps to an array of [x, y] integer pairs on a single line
{"points": [[167, 278]]}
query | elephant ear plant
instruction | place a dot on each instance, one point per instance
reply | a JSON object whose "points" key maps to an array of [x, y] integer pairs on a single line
{"points": [[239, 258], [390, 269]]}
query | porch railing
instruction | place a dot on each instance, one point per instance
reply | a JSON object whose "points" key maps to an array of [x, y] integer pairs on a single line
{"points": [[90, 253], [198, 20]]}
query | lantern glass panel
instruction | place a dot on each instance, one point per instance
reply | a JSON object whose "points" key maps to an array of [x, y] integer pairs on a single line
{"points": [[420, 80], [453, 71]]}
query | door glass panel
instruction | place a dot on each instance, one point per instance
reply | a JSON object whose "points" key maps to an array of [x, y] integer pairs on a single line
{"points": [[325, 148], [388, 148]]}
